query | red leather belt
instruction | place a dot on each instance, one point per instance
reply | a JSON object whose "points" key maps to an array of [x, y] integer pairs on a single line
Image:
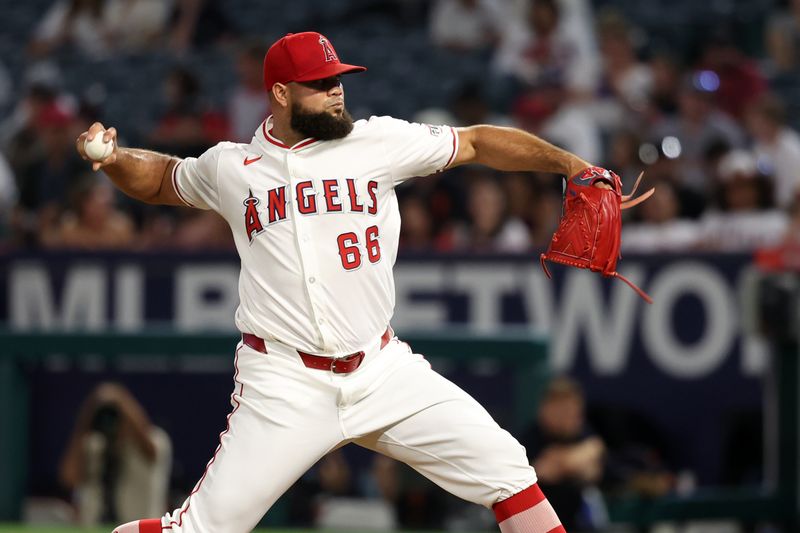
{"points": [[337, 365]]}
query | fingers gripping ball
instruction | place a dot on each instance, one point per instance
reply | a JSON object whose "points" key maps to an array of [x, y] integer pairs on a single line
{"points": [[97, 149]]}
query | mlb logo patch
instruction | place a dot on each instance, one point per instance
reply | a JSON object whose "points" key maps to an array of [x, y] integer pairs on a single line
{"points": [[435, 130]]}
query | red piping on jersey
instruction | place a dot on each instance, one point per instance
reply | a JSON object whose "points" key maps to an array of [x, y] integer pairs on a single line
{"points": [[455, 147], [175, 183], [179, 521], [268, 136]]}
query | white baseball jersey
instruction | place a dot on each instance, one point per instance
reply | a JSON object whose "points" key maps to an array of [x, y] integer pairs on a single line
{"points": [[316, 226]]}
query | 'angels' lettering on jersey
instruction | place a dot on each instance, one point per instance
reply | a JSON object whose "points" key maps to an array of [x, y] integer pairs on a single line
{"points": [[340, 196]]}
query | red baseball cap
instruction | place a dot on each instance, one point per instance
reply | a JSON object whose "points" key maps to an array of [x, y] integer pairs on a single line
{"points": [[303, 56]]}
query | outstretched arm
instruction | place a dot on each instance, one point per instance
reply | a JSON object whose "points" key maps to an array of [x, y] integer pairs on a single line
{"points": [[141, 174], [514, 150]]}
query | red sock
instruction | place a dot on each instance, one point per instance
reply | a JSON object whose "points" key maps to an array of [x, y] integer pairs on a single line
{"points": [[527, 511], [152, 525]]}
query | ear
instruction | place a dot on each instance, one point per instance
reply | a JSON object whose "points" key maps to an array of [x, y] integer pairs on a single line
{"points": [[280, 93]]}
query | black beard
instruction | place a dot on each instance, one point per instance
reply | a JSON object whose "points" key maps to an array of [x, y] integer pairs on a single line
{"points": [[322, 126]]}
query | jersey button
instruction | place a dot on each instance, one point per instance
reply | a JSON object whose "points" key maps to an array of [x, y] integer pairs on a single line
{"points": [[312, 279], [321, 321]]}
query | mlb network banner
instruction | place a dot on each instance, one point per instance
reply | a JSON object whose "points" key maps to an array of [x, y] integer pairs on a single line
{"points": [[684, 363], [692, 331]]}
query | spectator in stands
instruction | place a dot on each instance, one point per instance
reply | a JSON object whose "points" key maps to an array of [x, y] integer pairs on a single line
{"points": [[550, 70], [520, 192], [783, 63], [187, 126], [552, 47], [746, 217], [535, 199], [699, 124], [567, 455], [660, 168], [247, 104], [544, 215], [382, 480], [98, 28], [777, 147], [8, 198], [198, 24], [117, 463], [736, 78], [663, 97], [490, 229], [548, 112], [44, 161], [19, 129], [201, 230], [331, 477], [137, 25], [626, 81], [467, 25], [659, 228], [93, 222], [6, 86], [470, 107], [792, 235], [783, 43], [783, 39], [623, 156], [78, 23], [416, 232]]}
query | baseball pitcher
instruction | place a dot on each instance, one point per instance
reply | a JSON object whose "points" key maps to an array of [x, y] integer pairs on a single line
{"points": [[312, 207]]}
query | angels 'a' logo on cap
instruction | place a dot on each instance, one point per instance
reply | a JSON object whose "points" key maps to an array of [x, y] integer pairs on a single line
{"points": [[330, 55]]}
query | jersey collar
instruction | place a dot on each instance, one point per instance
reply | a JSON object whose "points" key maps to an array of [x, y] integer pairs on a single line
{"points": [[264, 133]]}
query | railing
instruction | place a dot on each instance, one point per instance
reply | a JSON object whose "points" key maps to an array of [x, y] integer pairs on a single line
{"points": [[525, 351]]}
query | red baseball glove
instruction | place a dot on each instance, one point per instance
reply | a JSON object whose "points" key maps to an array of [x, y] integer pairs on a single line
{"points": [[588, 235]]}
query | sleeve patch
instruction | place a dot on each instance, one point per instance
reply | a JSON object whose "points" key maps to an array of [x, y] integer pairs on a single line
{"points": [[436, 131]]}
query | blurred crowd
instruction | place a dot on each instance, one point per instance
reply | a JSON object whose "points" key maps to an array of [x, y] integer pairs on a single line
{"points": [[117, 466], [712, 121]]}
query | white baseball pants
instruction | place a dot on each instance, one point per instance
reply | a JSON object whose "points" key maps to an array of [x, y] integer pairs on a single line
{"points": [[286, 417]]}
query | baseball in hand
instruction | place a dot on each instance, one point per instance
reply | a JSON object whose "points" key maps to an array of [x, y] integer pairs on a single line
{"points": [[97, 149]]}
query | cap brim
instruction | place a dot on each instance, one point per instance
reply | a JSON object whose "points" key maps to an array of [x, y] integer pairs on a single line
{"points": [[333, 69]]}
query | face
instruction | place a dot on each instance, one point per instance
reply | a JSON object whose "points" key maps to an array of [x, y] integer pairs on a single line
{"points": [[758, 124], [486, 206], [562, 416], [741, 193], [97, 205], [661, 209], [543, 18], [693, 105], [317, 109]]}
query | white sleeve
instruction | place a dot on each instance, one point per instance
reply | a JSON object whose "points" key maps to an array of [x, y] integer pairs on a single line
{"points": [[417, 149], [195, 179]]}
